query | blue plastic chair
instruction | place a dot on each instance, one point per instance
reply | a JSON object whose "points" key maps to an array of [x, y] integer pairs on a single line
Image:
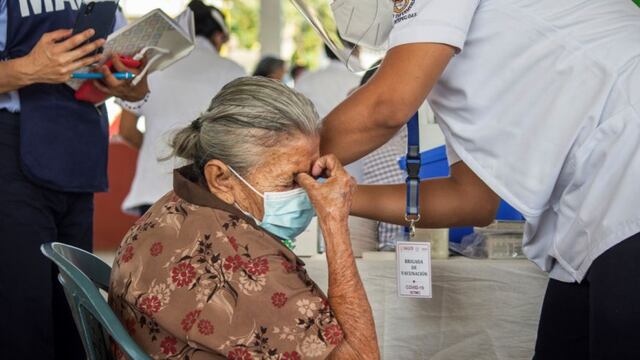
{"points": [[82, 274]]}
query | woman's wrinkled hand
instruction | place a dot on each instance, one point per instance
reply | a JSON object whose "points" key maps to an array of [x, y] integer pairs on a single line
{"points": [[331, 199], [56, 56], [123, 89]]}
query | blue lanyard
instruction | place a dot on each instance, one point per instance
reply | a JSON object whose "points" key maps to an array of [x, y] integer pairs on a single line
{"points": [[414, 162]]}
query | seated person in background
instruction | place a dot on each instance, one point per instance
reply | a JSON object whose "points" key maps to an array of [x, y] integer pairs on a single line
{"points": [[271, 67], [208, 271]]}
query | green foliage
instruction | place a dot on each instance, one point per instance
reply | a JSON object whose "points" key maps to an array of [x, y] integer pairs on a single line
{"points": [[243, 17], [308, 45], [244, 23]]}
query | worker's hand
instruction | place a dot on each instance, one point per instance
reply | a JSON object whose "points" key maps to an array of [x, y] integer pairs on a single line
{"points": [[331, 199], [56, 56], [123, 89]]}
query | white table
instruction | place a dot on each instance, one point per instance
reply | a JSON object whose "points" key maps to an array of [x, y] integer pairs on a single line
{"points": [[481, 309]]}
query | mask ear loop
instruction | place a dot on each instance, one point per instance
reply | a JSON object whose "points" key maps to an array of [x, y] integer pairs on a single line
{"points": [[245, 181], [258, 222]]}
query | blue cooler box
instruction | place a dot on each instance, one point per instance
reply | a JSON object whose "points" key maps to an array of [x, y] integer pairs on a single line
{"points": [[435, 164]]}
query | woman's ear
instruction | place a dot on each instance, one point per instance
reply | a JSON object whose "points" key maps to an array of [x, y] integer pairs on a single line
{"points": [[219, 180]]}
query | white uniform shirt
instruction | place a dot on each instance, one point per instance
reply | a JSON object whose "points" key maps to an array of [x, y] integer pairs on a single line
{"points": [[543, 104], [327, 88], [179, 94]]}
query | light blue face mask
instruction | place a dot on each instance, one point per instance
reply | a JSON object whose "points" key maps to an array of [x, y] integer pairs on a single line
{"points": [[286, 214]]}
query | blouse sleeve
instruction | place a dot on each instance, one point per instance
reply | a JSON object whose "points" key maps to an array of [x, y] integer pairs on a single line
{"points": [[279, 311]]}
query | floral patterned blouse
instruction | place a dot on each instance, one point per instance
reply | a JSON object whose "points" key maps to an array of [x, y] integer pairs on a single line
{"points": [[194, 278]]}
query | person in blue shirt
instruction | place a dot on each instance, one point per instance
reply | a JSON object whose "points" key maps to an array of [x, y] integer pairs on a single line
{"points": [[53, 157]]}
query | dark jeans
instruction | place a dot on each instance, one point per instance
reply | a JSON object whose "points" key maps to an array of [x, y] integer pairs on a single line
{"points": [[36, 322], [599, 318]]}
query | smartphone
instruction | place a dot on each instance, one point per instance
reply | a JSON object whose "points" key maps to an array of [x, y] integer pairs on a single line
{"points": [[99, 16]]}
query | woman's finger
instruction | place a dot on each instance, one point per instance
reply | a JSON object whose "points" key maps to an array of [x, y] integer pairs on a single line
{"points": [[317, 169], [328, 165], [333, 166], [307, 182], [320, 167]]}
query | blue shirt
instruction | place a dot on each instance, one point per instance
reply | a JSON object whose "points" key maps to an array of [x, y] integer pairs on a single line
{"points": [[10, 100]]}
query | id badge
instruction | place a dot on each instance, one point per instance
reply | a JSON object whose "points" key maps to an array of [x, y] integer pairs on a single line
{"points": [[413, 269]]}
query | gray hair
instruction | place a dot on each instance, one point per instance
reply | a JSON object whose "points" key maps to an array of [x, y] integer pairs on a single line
{"points": [[247, 116]]}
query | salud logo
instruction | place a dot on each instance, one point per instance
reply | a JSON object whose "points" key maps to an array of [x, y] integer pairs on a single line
{"points": [[399, 6]]}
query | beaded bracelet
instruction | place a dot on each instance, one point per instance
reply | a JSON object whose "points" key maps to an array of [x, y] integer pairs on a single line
{"points": [[135, 105]]}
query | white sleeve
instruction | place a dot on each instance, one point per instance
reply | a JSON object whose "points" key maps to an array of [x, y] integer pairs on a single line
{"points": [[435, 21], [452, 156]]}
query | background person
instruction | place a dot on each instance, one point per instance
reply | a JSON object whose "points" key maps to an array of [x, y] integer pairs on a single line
{"points": [[271, 67], [53, 157], [208, 272], [187, 86]]}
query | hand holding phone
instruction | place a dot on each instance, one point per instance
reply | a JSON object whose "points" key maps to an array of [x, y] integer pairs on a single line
{"points": [[57, 55]]}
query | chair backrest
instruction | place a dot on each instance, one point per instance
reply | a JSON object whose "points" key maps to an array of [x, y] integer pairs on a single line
{"points": [[81, 274]]}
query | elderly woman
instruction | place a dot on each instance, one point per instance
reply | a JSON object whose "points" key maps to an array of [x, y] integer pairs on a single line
{"points": [[208, 271]]}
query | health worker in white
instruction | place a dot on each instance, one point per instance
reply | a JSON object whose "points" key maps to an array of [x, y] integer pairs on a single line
{"points": [[540, 101], [178, 95]]}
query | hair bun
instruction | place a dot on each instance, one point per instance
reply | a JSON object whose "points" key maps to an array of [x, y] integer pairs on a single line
{"points": [[196, 124], [185, 142]]}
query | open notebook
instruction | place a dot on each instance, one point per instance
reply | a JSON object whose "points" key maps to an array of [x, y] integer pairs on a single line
{"points": [[156, 37]]}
